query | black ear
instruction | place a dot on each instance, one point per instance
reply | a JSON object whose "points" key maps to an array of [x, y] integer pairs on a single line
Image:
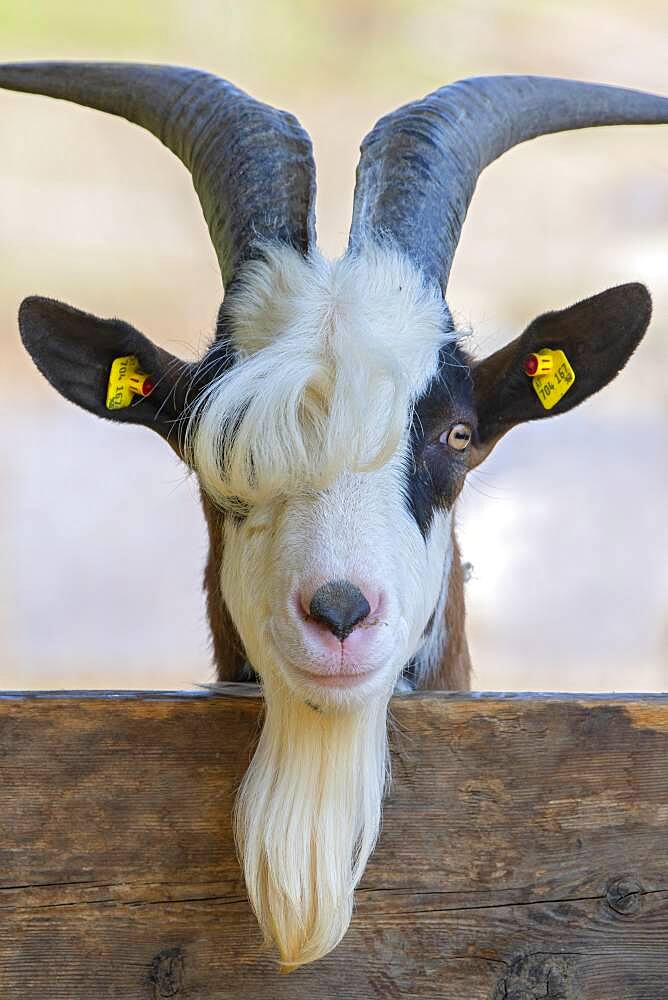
{"points": [[597, 335], [75, 351]]}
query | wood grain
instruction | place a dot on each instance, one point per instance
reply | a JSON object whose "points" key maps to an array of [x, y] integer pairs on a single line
{"points": [[524, 853]]}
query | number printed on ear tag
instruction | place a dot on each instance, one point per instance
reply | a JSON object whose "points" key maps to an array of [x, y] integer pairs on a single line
{"points": [[550, 388], [126, 380]]}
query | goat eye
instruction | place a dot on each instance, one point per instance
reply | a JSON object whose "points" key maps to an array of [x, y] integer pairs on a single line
{"points": [[458, 437]]}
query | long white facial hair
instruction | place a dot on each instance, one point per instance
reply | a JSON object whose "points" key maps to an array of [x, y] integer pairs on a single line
{"points": [[307, 817]]}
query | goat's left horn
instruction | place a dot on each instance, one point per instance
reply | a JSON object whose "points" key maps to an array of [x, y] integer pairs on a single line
{"points": [[252, 166], [420, 164]]}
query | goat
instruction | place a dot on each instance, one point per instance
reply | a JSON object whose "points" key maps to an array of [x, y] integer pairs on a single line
{"points": [[331, 424]]}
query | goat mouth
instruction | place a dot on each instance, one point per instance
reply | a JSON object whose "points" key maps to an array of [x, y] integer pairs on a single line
{"points": [[339, 676], [336, 679]]}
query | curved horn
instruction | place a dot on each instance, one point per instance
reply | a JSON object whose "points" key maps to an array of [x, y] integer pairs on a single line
{"points": [[420, 164], [252, 166]]}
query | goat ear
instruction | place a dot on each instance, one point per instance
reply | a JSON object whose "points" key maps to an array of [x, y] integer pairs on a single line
{"points": [[74, 351], [597, 335]]}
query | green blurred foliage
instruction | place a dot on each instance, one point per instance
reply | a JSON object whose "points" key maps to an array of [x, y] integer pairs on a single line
{"points": [[321, 45], [286, 41], [78, 23]]}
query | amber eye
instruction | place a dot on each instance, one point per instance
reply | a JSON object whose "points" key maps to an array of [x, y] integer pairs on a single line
{"points": [[458, 437]]}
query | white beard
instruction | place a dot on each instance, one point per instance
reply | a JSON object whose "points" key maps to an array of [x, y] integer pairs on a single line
{"points": [[307, 817]]}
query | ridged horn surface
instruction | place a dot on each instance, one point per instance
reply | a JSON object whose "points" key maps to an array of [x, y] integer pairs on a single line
{"points": [[419, 165], [252, 166]]}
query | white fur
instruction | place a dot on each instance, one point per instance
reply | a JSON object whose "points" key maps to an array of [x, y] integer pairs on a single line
{"points": [[331, 358], [359, 529], [307, 818]]}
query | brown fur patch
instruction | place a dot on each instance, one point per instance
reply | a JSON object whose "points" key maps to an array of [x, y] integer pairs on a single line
{"points": [[228, 651], [454, 671]]}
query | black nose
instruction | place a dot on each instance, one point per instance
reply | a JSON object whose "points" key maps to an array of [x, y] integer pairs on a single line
{"points": [[340, 606]]}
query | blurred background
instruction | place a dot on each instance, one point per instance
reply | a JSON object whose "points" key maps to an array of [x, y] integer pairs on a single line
{"points": [[102, 544]]}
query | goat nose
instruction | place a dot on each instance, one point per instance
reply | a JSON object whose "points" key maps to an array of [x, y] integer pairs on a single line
{"points": [[340, 606]]}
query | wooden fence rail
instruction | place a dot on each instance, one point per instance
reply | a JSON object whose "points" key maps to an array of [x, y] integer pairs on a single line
{"points": [[524, 852]]}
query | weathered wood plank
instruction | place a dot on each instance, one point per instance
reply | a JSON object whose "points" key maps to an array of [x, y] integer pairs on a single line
{"points": [[524, 853]]}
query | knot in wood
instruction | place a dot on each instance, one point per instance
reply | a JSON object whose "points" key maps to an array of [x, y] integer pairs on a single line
{"points": [[167, 974], [624, 895], [536, 978]]}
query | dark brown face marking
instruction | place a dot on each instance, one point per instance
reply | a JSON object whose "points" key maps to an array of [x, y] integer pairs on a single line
{"points": [[453, 672], [437, 471], [228, 651]]}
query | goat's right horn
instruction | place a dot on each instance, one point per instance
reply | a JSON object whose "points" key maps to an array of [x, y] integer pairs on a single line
{"points": [[252, 166], [420, 164]]}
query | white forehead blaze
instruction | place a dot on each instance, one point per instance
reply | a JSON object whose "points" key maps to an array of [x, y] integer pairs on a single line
{"points": [[330, 356]]}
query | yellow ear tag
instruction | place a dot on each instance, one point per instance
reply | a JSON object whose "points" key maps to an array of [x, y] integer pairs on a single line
{"points": [[551, 374], [126, 381]]}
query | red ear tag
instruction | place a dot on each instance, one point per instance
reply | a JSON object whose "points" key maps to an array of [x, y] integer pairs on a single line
{"points": [[126, 381], [551, 375], [537, 364]]}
